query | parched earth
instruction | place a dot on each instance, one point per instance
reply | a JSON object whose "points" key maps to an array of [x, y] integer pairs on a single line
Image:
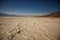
{"points": [[29, 28]]}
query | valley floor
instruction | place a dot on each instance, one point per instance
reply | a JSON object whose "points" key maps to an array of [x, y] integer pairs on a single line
{"points": [[29, 28]]}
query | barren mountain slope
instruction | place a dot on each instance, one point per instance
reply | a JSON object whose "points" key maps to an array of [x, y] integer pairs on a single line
{"points": [[29, 28], [55, 14]]}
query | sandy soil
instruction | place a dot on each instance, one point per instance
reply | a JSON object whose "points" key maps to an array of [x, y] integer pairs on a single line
{"points": [[29, 28]]}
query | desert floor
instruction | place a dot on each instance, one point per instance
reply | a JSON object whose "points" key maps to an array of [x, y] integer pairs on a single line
{"points": [[29, 28]]}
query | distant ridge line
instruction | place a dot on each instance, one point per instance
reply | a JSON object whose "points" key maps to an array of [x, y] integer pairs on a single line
{"points": [[55, 14]]}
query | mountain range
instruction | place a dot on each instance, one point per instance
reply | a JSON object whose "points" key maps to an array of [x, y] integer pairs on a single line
{"points": [[55, 14]]}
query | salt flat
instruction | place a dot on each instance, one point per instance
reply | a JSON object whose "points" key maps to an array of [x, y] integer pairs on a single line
{"points": [[29, 28]]}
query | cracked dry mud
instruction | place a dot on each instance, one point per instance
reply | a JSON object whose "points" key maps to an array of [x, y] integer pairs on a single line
{"points": [[29, 28]]}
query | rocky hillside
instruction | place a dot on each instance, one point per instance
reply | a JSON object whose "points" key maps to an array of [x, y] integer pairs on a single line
{"points": [[55, 14]]}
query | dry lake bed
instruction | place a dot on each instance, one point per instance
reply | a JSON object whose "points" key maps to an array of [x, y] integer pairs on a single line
{"points": [[29, 28]]}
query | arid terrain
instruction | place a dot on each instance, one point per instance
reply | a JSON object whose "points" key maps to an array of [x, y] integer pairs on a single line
{"points": [[29, 28]]}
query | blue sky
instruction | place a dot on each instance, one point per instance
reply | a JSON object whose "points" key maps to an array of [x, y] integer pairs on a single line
{"points": [[29, 6]]}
